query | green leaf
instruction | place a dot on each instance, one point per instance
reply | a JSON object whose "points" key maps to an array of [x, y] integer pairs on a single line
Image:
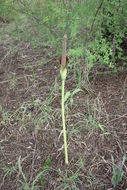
{"points": [[117, 172], [42, 180], [107, 133], [36, 179], [67, 95], [90, 64], [76, 91], [48, 162], [100, 126]]}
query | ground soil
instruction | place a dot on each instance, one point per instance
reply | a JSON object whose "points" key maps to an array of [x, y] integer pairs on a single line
{"points": [[29, 91]]}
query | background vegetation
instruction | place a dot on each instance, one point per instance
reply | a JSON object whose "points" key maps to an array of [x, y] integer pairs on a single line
{"points": [[97, 30]]}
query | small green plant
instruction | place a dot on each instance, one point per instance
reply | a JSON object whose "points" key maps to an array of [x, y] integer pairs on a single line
{"points": [[8, 171], [70, 180], [94, 123], [68, 99], [13, 82], [75, 131], [39, 176], [102, 129], [45, 168], [5, 118], [36, 112], [117, 171], [34, 75]]}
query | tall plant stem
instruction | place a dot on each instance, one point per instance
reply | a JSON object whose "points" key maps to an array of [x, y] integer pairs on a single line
{"points": [[64, 125]]}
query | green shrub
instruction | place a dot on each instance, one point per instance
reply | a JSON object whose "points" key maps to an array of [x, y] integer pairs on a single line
{"points": [[94, 28]]}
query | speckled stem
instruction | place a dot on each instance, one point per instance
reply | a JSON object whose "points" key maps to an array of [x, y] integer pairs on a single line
{"points": [[64, 52], [63, 72]]}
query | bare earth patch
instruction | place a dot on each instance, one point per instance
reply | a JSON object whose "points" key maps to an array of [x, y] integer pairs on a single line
{"points": [[30, 124]]}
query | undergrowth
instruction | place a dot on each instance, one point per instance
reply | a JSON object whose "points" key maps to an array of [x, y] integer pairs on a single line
{"points": [[95, 30]]}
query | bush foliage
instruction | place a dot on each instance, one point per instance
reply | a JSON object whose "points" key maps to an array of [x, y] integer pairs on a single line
{"points": [[96, 29]]}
